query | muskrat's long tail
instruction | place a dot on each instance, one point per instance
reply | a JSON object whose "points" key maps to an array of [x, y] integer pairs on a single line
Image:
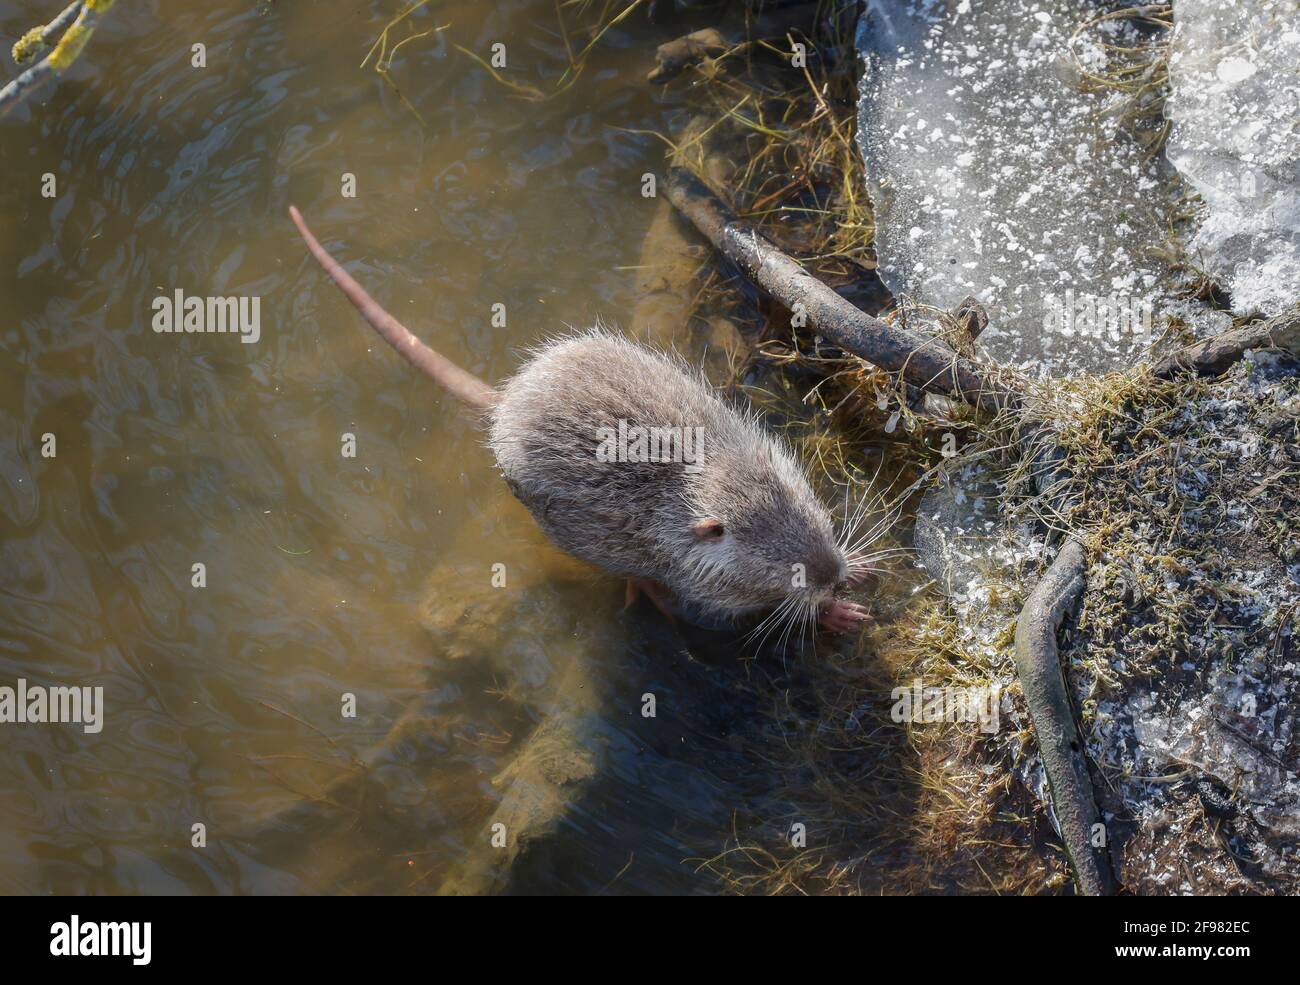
{"points": [[442, 370]]}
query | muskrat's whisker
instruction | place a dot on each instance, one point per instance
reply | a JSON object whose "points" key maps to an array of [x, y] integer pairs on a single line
{"points": [[887, 520], [797, 618], [863, 509], [854, 521], [847, 490], [888, 553], [773, 619], [780, 614], [864, 552], [770, 616], [803, 627], [789, 625], [876, 493], [862, 564], [870, 497], [809, 621], [869, 569], [871, 536], [788, 615], [792, 619]]}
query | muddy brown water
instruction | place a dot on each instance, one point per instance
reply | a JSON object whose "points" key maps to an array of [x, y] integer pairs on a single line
{"points": [[326, 576]]}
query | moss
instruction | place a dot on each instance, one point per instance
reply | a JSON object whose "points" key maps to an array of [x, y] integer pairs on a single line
{"points": [[75, 37], [69, 46], [30, 45]]}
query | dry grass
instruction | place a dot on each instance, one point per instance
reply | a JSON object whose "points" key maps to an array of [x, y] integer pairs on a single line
{"points": [[1137, 67]]}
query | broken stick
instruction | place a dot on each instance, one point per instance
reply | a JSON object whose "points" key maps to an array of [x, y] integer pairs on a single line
{"points": [[926, 362], [1215, 355]]}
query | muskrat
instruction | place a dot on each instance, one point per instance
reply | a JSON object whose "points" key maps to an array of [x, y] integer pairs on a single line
{"points": [[723, 526]]}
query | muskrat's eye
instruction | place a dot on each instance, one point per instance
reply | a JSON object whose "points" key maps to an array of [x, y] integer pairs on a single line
{"points": [[708, 529]]}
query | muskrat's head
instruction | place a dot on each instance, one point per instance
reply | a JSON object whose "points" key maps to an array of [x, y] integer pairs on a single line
{"points": [[758, 538]]}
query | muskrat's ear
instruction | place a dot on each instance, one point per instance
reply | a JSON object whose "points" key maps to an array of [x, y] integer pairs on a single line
{"points": [[708, 529]]}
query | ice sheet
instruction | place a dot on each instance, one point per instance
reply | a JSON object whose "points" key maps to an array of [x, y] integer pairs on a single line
{"points": [[994, 172], [1235, 110]]}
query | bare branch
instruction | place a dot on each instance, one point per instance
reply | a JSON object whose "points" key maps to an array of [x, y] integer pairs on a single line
{"points": [[74, 38], [925, 362]]}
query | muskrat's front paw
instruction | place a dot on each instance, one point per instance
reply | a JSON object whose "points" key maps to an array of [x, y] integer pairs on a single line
{"points": [[842, 617]]}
